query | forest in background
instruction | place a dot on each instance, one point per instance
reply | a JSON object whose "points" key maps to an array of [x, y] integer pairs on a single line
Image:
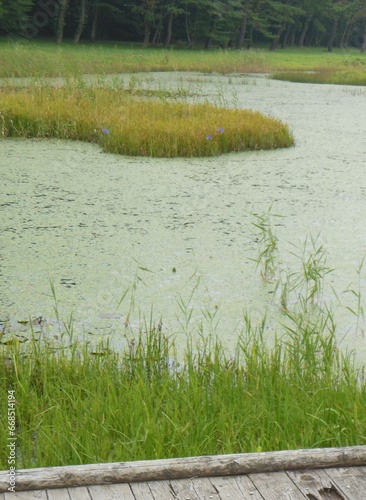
{"points": [[237, 24]]}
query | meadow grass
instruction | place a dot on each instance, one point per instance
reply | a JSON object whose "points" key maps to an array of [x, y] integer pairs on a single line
{"points": [[127, 122], [130, 124], [77, 406], [44, 59], [356, 76]]}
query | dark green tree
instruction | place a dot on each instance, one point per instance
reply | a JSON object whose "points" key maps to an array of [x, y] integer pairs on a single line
{"points": [[81, 21], [60, 22], [245, 6], [114, 19], [311, 9], [282, 14], [148, 12], [353, 16], [202, 19], [334, 12], [14, 14], [171, 10]]}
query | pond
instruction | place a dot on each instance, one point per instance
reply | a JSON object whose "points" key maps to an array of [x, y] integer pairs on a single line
{"points": [[90, 223]]}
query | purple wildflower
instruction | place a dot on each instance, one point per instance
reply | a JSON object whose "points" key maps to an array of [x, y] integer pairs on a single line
{"points": [[209, 138], [105, 131], [221, 130]]}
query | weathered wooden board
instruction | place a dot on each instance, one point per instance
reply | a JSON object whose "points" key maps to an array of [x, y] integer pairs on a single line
{"points": [[315, 484], [141, 491], [59, 494], [26, 495], [204, 489], [184, 489], [230, 488], [351, 482], [111, 492], [79, 493], [247, 486], [161, 489], [276, 486], [309, 484], [217, 465]]}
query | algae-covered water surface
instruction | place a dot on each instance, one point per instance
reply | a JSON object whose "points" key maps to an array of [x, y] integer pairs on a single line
{"points": [[178, 234]]}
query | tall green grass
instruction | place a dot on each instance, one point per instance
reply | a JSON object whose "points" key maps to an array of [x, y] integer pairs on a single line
{"points": [[356, 76], [128, 124], [75, 406], [47, 59]]}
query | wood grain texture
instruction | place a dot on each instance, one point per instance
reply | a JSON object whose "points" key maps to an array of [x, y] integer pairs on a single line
{"points": [[111, 492], [316, 484], [183, 489], [79, 493], [276, 486], [26, 495], [161, 489], [247, 486], [59, 494], [310, 484], [351, 482], [141, 491], [204, 489], [230, 488], [208, 466]]}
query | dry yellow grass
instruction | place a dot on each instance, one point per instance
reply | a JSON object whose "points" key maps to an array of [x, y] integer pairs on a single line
{"points": [[129, 125]]}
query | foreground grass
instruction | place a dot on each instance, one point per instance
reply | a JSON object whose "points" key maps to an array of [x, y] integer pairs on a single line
{"points": [[76, 407], [41, 59], [126, 124], [77, 404]]}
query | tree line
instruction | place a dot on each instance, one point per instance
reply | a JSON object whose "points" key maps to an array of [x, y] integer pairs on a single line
{"points": [[209, 23]]}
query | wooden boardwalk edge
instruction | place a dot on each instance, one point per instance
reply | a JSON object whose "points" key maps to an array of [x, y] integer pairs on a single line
{"points": [[183, 468]]}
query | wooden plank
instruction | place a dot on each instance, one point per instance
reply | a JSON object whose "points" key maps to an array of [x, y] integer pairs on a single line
{"points": [[141, 491], [316, 484], [276, 486], [204, 489], [183, 489], [161, 490], [111, 492], [59, 494], [79, 493], [26, 495], [217, 465], [229, 487], [247, 487], [351, 481]]}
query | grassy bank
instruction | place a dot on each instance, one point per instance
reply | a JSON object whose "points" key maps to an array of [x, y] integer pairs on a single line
{"points": [[357, 76], [134, 125], [144, 125], [75, 407], [41, 59]]}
